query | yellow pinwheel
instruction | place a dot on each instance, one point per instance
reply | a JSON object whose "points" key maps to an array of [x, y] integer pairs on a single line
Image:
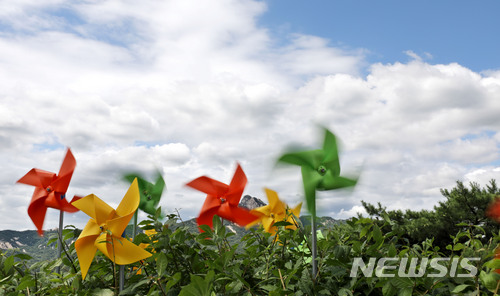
{"points": [[275, 211], [104, 230]]}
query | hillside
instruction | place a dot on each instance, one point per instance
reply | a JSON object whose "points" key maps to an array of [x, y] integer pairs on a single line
{"points": [[30, 243]]}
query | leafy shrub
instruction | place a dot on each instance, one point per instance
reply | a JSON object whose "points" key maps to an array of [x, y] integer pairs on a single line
{"points": [[210, 263]]}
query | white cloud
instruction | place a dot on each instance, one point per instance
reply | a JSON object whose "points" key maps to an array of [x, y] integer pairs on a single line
{"points": [[417, 57], [483, 175], [191, 89], [311, 55], [352, 212]]}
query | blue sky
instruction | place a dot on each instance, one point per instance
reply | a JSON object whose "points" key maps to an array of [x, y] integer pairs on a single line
{"points": [[188, 87], [450, 31]]}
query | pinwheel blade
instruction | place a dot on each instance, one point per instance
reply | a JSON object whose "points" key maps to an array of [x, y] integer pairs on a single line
{"points": [[268, 223], [330, 181], [84, 246], [311, 179], [68, 165], [96, 208], [143, 187], [208, 186], [158, 187], [130, 178], [130, 201], [67, 206], [119, 224], [205, 217], [262, 211], [330, 147], [119, 249], [53, 200], [237, 215], [236, 187], [61, 184], [127, 252], [274, 201], [256, 221], [37, 178], [103, 242], [310, 159], [493, 210], [37, 211], [156, 193]]}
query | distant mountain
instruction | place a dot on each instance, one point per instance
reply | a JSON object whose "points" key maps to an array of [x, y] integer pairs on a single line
{"points": [[251, 203], [322, 222], [30, 243]]}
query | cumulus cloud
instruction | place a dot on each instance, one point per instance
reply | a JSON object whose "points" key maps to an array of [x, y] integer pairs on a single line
{"points": [[352, 212], [483, 175], [189, 89]]}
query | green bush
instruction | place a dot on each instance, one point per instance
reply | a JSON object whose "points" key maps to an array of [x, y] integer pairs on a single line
{"points": [[463, 206], [191, 263]]}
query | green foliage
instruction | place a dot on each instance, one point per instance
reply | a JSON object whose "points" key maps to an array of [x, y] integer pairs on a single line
{"points": [[29, 242], [187, 262], [462, 208]]}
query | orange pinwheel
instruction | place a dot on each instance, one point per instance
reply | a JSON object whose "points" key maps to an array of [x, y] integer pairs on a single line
{"points": [[50, 190], [275, 211], [222, 200], [104, 230]]}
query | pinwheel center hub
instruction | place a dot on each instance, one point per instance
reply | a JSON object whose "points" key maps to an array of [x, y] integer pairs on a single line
{"points": [[322, 170], [49, 189], [147, 195], [222, 200], [103, 228]]}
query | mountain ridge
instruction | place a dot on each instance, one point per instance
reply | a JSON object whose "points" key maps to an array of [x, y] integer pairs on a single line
{"points": [[29, 242]]}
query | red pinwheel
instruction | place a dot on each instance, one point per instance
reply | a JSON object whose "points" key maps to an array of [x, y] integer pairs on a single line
{"points": [[50, 190], [222, 200], [493, 211]]}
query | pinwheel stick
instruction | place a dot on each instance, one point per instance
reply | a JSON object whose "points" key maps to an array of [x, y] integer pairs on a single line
{"points": [[122, 277], [59, 233], [61, 220], [135, 225], [314, 248], [122, 267]]}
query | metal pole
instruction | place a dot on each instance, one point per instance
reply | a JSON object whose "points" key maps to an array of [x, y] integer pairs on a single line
{"points": [[122, 277], [314, 250], [122, 267], [59, 245], [134, 232]]}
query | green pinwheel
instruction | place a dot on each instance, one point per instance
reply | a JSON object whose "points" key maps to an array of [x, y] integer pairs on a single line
{"points": [[320, 169], [150, 193]]}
